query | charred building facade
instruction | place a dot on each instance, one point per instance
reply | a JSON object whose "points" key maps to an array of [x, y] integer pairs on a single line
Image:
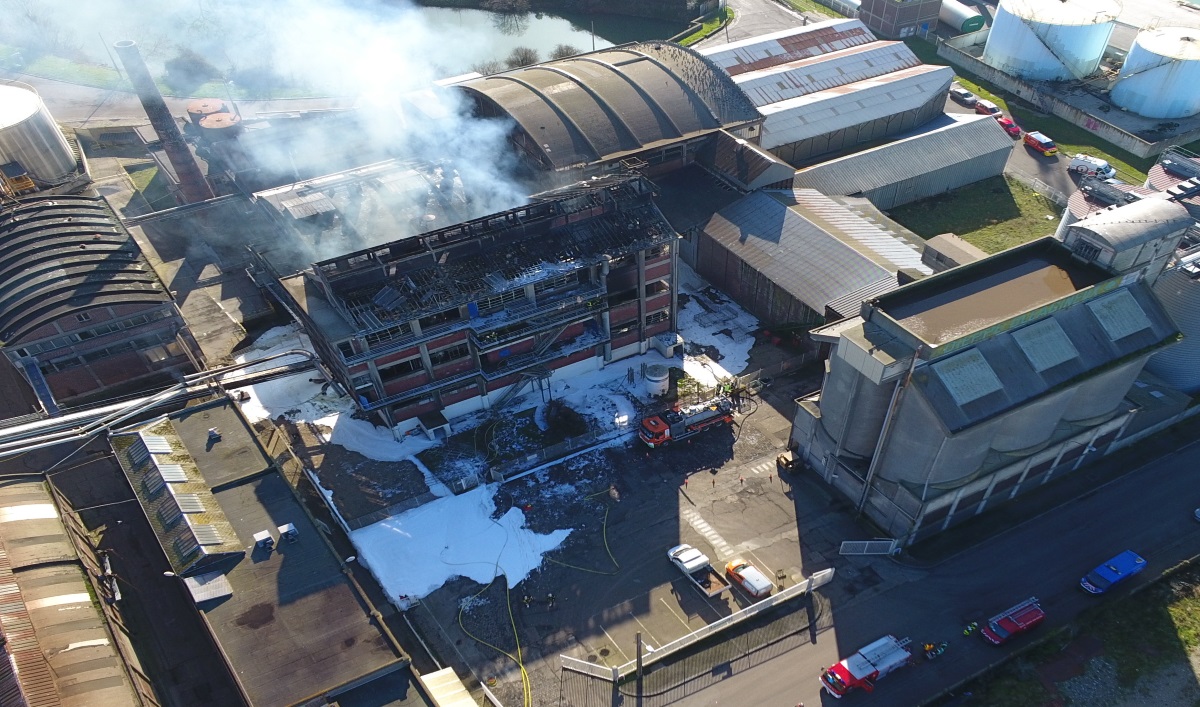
{"points": [[81, 311], [466, 317]]}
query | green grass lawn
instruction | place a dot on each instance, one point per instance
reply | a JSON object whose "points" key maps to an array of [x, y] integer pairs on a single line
{"points": [[151, 187], [811, 6], [711, 24], [1071, 138], [994, 214]]}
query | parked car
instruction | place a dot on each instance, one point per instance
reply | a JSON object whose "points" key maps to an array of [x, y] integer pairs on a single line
{"points": [[1198, 514], [962, 96], [1092, 167], [987, 108], [1010, 126], [787, 461], [1041, 143], [1108, 573], [749, 578]]}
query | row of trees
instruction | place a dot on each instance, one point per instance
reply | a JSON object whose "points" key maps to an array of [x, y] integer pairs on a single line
{"points": [[522, 56]]}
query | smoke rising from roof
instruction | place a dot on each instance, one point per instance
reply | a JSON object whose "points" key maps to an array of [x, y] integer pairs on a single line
{"points": [[381, 53]]}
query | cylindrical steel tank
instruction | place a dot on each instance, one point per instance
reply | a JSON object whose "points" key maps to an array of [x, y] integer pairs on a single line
{"points": [[201, 107], [1027, 427], [1100, 395], [29, 135], [658, 380], [1161, 74], [853, 407], [220, 126], [962, 18], [1178, 288], [1050, 40]]}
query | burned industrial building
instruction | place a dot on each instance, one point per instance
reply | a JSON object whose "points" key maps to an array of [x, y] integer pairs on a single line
{"points": [[467, 316]]}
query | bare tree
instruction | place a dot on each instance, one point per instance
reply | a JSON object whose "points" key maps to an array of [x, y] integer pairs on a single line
{"points": [[489, 67], [562, 51], [521, 56]]}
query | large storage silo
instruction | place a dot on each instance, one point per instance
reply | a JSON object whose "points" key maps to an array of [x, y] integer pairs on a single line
{"points": [[1178, 289], [29, 135], [962, 18], [1161, 74], [1050, 40]]}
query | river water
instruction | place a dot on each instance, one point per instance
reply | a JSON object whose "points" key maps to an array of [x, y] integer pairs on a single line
{"points": [[539, 31]]}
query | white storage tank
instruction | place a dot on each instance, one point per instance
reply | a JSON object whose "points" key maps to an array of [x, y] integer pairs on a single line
{"points": [[1050, 40], [29, 135], [1161, 74], [658, 380], [962, 18], [1178, 289]]}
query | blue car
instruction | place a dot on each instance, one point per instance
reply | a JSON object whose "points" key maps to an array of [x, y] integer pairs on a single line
{"points": [[1121, 567]]}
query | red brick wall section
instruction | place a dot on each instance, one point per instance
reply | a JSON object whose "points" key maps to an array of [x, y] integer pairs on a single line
{"points": [[400, 385], [455, 338], [400, 414], [71, 382], [623, 313], [653, 273], [398, 356], [625, 340], [120, 368], [658, 302], [513, 349], [465, 394], [453, 368], [658, 328]]}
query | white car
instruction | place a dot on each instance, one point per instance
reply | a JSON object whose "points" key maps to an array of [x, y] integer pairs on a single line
{"points": [[1092, 167]]}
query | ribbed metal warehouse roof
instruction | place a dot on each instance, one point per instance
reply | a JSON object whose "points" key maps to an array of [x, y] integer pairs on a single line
{"points": [[961, 140], [809, 245], [60, 645], [604, 104], [809, 75], [1133, 224], [861, 102], [788, 45], [66, 255]]}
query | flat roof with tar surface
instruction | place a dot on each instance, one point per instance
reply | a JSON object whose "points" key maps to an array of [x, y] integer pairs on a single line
{"points": [[950, 305], [295, 627]]}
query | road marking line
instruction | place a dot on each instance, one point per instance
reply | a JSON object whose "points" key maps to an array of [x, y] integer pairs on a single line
{"points": [[765, 567], [676, 614], [722, 548], [614, 644], [639, 623]]}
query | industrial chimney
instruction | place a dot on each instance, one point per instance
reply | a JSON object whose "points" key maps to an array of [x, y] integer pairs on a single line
{"points": [[191, 180]]}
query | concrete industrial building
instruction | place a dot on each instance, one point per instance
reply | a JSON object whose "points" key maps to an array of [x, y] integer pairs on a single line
{"points": [[279, 604], [944, 155], [81, 311], [652, 102], [961, 391], [465, 317], [828, 86]]}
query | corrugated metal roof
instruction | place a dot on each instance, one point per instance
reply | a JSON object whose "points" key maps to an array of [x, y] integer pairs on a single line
{"points": [[58, 641], [63, 255], [850, 304], [838, 108], [743, 163], [959, 141], [805, 76], [788, 45], [864, 236], [594, 106], [1133, 224], [796, 248]]}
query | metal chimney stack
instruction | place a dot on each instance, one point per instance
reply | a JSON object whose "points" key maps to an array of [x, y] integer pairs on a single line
{"points": [[191, 180]]}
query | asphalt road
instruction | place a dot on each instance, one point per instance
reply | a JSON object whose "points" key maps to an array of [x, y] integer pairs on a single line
{"points": [[752, 18], [1148, 510]]}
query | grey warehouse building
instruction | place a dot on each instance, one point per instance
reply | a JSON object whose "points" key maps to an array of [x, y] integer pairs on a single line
{"points": [[949, 153], [963, 390]]}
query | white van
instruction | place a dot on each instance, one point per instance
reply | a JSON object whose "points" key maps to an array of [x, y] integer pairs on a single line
{"points": [[1092, 167]]}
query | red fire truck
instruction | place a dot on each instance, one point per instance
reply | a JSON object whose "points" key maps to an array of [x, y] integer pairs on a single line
{"points": [[683, 422], [862, 669]]}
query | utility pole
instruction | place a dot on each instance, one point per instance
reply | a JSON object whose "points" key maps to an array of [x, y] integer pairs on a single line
{"points": [[639, 669]]}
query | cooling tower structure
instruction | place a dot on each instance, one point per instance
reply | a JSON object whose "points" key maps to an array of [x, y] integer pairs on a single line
{"points": [[962, 18], [1178, 288], [1161, 74], [30, 137], [1050, 40]]}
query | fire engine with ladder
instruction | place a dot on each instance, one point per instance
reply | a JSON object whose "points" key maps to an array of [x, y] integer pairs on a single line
{"points": [[681, 422]]}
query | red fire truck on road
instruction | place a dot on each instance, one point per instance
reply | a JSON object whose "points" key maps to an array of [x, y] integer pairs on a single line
{"points": [[862, 669]]}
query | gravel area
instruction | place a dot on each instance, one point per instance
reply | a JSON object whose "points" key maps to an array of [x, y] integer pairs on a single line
{"points": [[1175, 685]]}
